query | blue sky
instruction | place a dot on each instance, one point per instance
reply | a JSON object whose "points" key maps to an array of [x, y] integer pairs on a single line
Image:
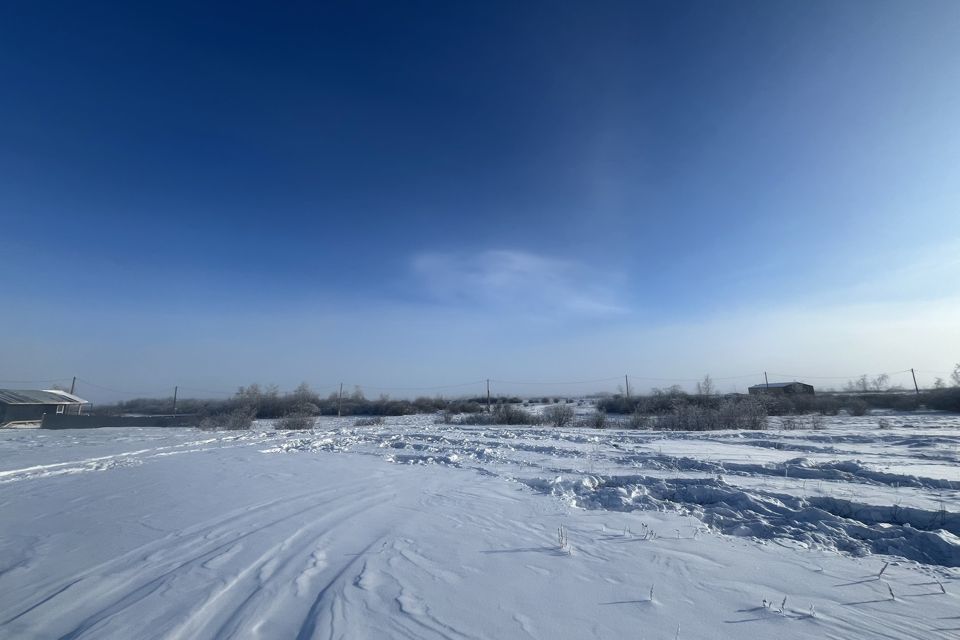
{"points": [[418, 194]]}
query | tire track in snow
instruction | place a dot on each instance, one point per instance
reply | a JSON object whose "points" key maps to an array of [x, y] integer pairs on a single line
{"points": [[121, 574], [123, 459], [314, 616], [279, 576]]}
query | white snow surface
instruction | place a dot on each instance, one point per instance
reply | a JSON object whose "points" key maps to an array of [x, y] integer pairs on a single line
{"points": [[412, 529]]}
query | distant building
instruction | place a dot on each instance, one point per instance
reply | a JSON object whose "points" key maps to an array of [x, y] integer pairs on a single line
{"points": [[782, 388], [21, 405]]}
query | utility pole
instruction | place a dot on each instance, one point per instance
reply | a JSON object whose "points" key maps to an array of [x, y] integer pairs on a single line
{"points": [[73, 384], [766, 380], [175, 390], [626, 380], [340, 400], [488, 395], [915, 381]]}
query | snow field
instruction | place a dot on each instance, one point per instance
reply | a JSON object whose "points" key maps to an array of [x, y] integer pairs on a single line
{"points": [[418, 530]]}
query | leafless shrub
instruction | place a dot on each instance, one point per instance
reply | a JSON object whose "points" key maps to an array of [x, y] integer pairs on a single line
{"points": [[857, 407], [505, 414], [512, 415], [237, 420], [827, 405], [640, 420], [444, 417], [775, 405], [598, 419], [558, 416], [476, 419], [368, 422], [308, 408], [745, 413], [295, 422]]}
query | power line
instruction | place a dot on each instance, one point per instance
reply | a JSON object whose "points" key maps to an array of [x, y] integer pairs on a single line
{"points": [[796, 377], [112, 390], [556, 382], [447, 386], [218, 393], [649, 379]]}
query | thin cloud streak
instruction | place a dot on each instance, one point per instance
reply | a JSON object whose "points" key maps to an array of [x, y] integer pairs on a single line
{"points": [[518, 281]]}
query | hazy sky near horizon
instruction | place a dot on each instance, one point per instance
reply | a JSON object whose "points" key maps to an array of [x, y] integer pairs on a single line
{"points": [[416, 194]]}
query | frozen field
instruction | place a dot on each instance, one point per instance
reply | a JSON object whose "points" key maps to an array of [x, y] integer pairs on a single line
{"points": [[412, 529]]}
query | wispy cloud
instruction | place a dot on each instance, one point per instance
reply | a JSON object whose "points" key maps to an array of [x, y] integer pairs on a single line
{"points": [[519, 281]]}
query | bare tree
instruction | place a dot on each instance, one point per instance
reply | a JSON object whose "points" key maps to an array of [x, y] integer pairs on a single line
{"points": [[938, 383], [303, 392], [955, 376], [861, 384], [705, 387], [880, 382]]}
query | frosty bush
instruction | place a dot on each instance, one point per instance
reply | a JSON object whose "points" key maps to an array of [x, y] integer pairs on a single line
{"points": [[368, 422], [475, 419], [639, 420], [509, 414], [558, 415], [944, 399], [444, 417], [744, 413], [741, 413], [308, 408], [598, 420], [237, 420], [827, 405], [295, 422], [775, 405], [857, 407], [506, 414]]}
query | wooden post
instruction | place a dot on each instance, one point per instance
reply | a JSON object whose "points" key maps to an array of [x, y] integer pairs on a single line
{"points": [[175, 390], [488, 395], [915, 381], [766, 381], [626, 379], [340, 400], [73, 384]]}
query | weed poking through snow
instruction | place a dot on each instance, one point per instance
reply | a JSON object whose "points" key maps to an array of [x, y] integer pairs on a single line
{"points": [[562, 540]]}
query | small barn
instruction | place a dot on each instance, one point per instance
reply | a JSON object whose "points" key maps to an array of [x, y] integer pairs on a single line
{"points": [[782, 389], [22, 405]]}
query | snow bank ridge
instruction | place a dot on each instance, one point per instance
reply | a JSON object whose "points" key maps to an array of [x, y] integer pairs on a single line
{"points": [[824, 522]]}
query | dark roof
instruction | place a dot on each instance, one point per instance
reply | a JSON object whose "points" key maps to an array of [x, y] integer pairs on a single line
{"points": [[777, 385], [29, 396]]}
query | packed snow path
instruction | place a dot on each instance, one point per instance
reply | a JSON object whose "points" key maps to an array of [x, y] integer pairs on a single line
{"points": [[416, 530]]}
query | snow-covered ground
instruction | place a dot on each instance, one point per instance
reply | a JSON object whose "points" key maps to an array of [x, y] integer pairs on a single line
{"points": [[412, 529]]}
